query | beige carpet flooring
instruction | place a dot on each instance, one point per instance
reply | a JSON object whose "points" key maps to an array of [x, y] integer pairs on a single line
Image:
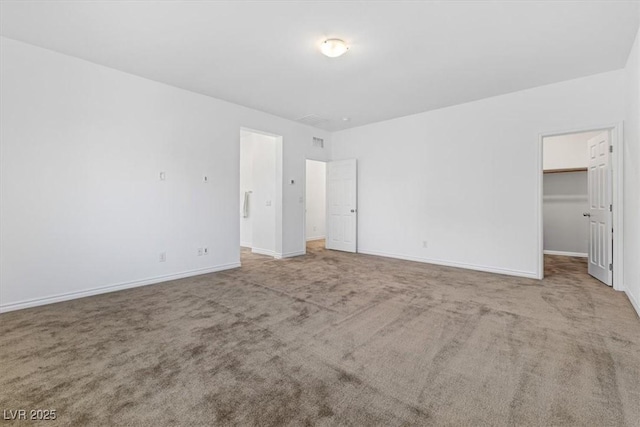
{"points": [[332, 339]]}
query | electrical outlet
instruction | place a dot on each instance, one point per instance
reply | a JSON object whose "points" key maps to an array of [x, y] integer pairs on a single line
{"points": [[424, 244], [206, 251], [200, 251], [163, 257]]}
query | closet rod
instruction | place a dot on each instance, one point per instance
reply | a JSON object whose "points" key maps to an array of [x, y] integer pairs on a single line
{"points": [[565, 170]]}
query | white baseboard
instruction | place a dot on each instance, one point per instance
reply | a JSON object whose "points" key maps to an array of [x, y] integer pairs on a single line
{"points": [[634, 302], [112, 288], [276, 255], [245, 245], [311, 239], [291, 254], [562, 253], [266, 252], [497, 270]]}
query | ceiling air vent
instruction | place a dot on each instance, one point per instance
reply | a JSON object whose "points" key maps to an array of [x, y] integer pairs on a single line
{"points": [[318, 142], [312, 120]]}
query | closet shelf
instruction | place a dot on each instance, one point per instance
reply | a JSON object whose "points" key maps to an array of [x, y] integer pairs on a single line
{"points": [[563, 197]]}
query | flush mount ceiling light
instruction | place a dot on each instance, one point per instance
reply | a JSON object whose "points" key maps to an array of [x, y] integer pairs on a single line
{"points": [[334, 47]]}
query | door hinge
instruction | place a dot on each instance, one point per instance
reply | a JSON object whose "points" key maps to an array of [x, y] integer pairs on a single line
{"points": [[611, 148], [610, 208], [610, 267]]}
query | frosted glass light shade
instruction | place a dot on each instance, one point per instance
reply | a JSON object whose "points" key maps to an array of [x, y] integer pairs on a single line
{"points": [[333, 48]]}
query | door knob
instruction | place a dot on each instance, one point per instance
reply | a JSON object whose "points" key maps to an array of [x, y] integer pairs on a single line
{"points": [[586, 214], [353, 210]]}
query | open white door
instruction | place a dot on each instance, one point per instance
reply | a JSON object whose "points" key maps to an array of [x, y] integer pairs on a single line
{"points": [[341, 205], [600, 233]]}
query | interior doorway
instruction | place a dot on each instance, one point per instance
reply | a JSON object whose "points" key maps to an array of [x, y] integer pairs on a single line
{"points": [[578, 192], [261, 192], [315, 203]]}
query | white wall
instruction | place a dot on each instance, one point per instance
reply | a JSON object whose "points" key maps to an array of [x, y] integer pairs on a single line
{"points": [[632, 177], [466, 179], [316, 199], [566, 151], [83, 210], [258, 175], [565, 199]]}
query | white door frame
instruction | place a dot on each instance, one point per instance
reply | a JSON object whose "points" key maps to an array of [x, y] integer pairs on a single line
{"points": [[278, 197], [617, 142], [304, 207]]}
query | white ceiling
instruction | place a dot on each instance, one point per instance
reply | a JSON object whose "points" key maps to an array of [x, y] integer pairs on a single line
{"points": [[405, 57]]}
